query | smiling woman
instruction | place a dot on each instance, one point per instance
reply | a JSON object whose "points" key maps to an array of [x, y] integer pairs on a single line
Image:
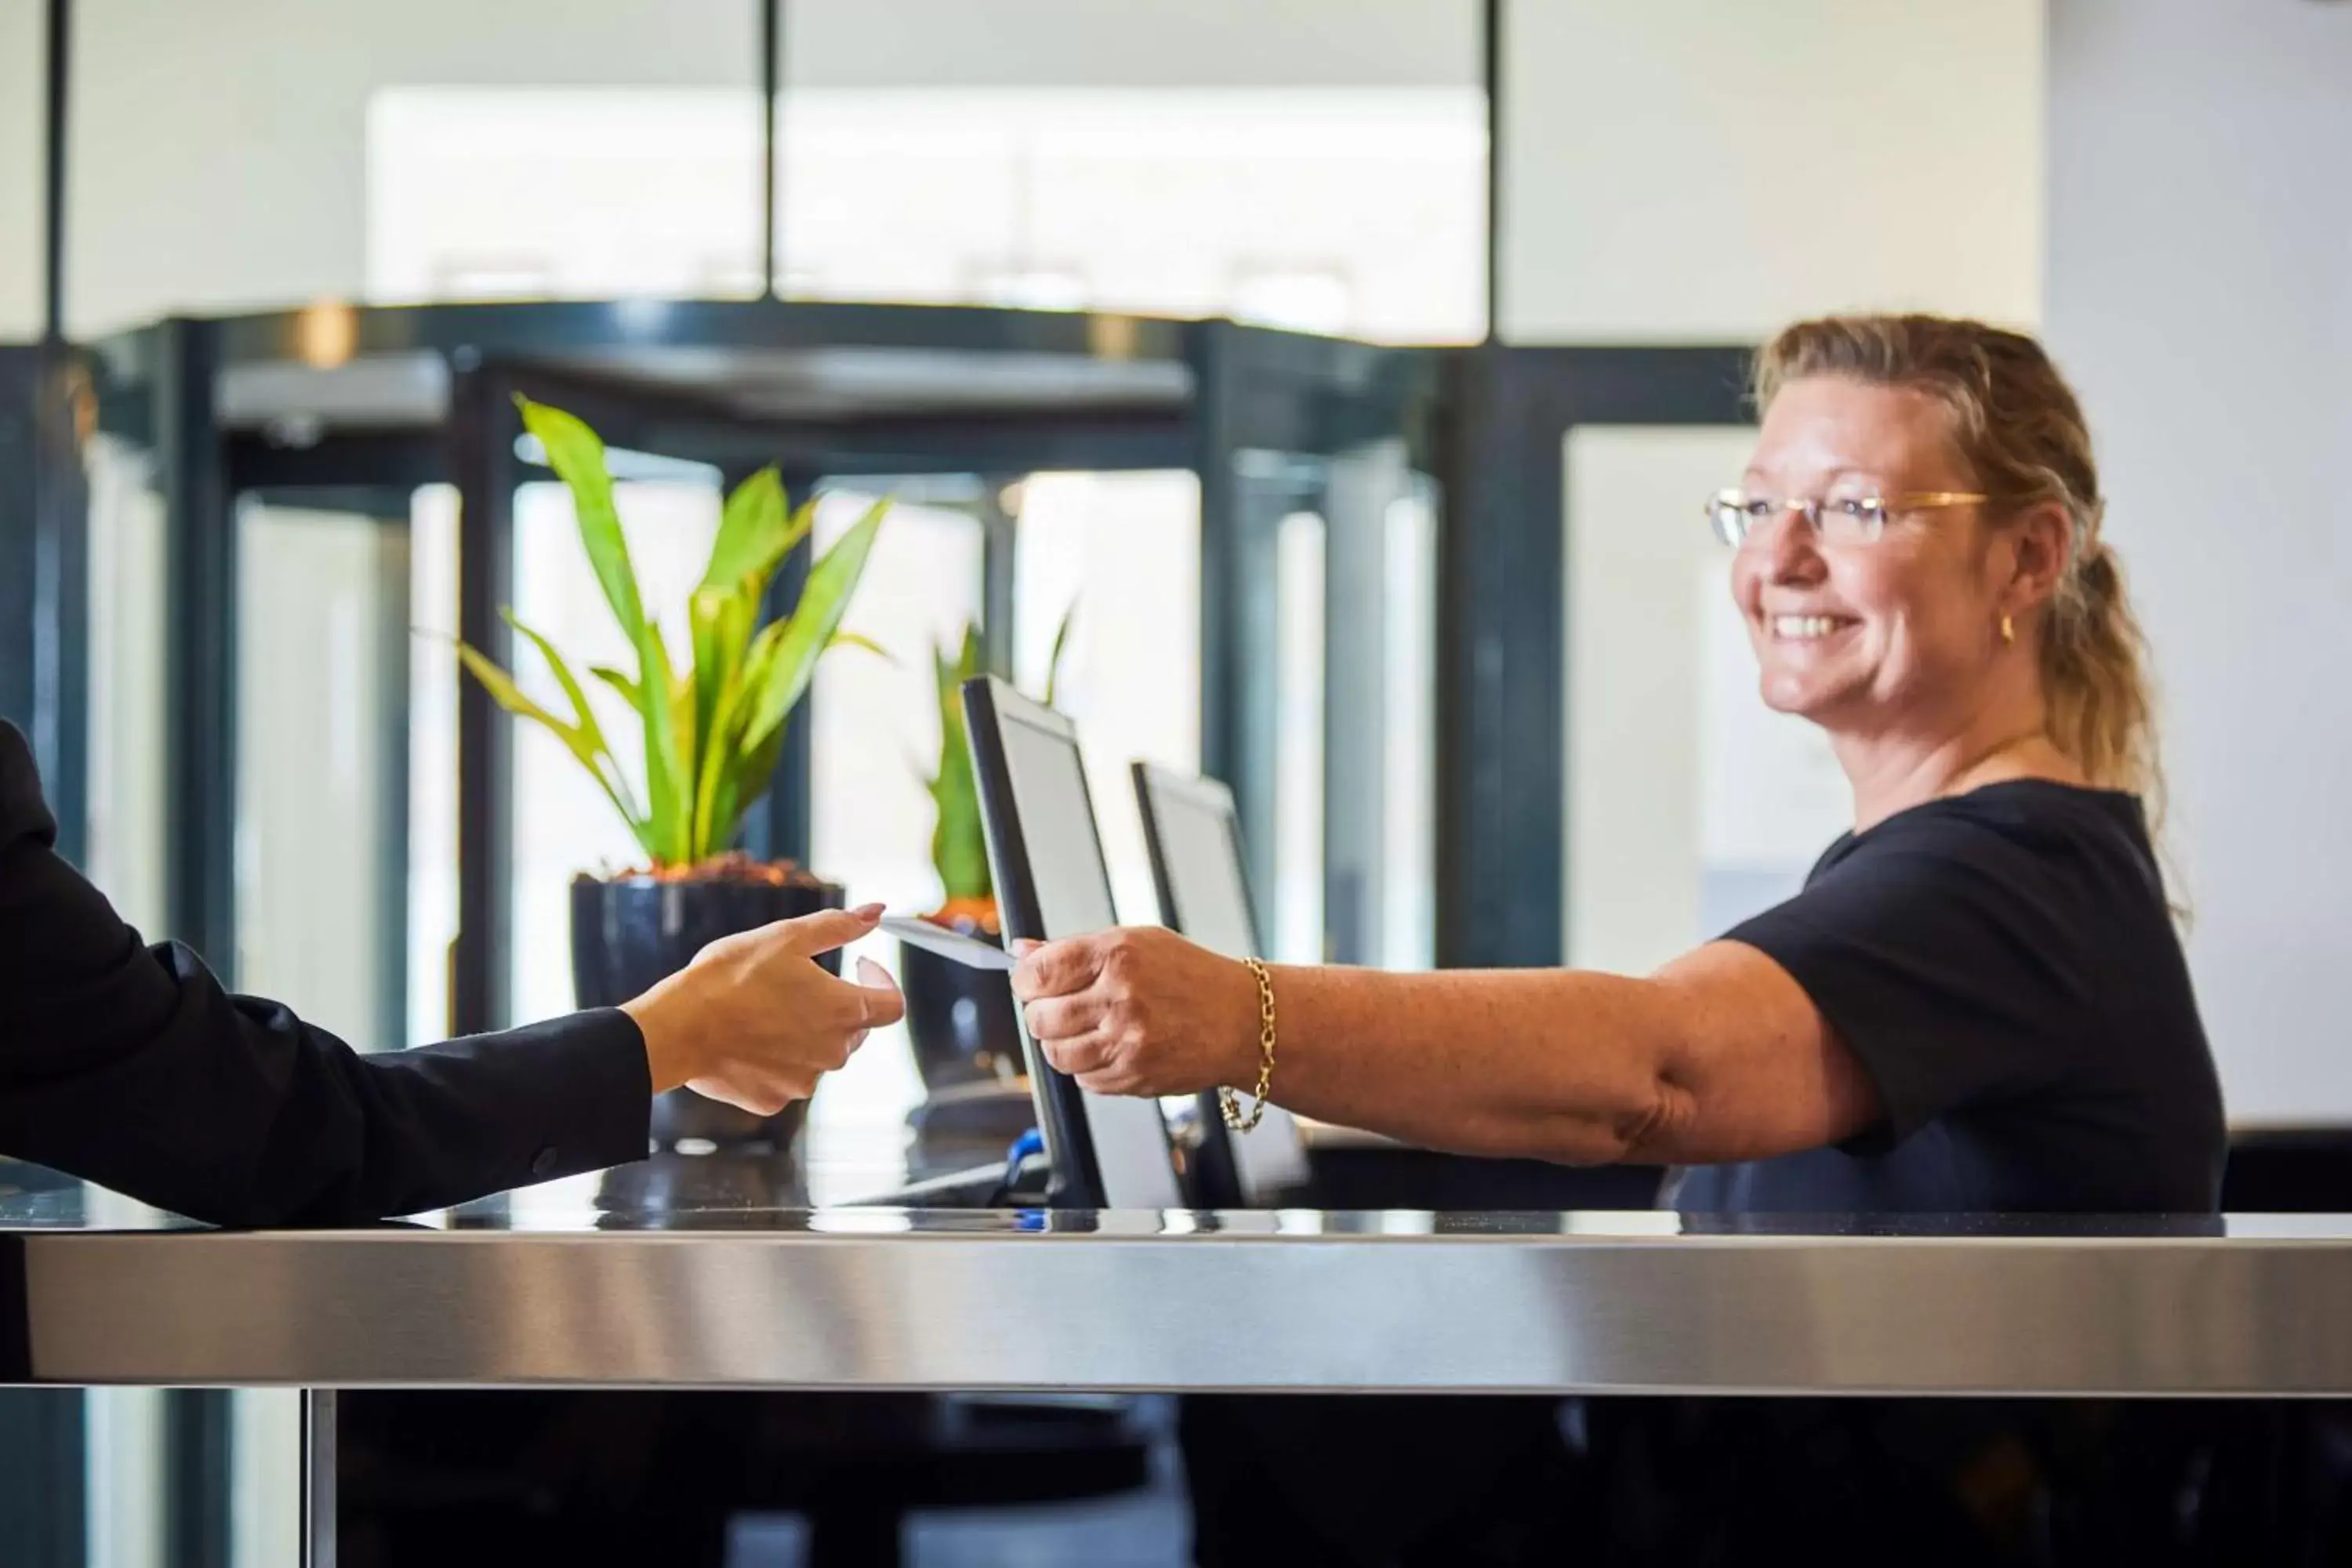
{"points": [[1977, 1003]]}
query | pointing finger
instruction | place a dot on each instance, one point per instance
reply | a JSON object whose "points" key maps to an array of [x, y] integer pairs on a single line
{"points": [[822, 932]]}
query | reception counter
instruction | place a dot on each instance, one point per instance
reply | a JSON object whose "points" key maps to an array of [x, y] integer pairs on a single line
{"points": [[559, 1288], [572, 1286]]}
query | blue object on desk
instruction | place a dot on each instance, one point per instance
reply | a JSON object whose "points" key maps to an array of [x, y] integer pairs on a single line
{"points": [[1030, 1142]]}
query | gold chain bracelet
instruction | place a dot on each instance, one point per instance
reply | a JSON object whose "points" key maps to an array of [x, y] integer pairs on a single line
{"points": [[1228, 1101]]}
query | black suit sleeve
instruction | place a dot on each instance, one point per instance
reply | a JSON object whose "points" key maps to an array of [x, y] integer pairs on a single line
{"points": [[131, 1066]]}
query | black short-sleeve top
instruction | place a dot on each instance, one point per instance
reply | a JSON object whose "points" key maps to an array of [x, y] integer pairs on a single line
{"points": [[2007, 968]]}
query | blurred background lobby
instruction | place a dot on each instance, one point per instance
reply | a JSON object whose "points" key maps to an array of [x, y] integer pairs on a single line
{"points": [[1350, 373]]}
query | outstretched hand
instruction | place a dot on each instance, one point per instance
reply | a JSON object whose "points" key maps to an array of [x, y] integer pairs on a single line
{"points": [[755, 1022], [1139, 1010]]}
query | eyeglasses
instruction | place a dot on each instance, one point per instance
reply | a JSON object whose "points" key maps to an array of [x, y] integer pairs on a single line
{"points": [[1848, 520]]}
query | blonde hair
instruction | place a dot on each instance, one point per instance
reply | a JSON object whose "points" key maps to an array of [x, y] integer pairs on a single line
{"points": [[2018, 426]]}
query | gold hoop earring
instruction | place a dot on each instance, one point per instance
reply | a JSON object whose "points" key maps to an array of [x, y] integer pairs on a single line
{"points": [[2007, 630]]}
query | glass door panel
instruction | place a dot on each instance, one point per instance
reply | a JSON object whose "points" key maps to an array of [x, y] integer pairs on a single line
{"points": [[1379, 826], [1298, 934], [433, 678], [127, 686], [321, 766]]}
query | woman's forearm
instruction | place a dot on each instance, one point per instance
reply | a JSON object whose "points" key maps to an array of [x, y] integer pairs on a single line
{"points": [[1555, 1064]]}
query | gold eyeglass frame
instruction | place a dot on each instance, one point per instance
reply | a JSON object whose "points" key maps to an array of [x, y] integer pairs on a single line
{"points": [[1875, 510]]}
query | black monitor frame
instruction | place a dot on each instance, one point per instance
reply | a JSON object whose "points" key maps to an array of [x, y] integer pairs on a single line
{"points": [[1218, 1181], [1076, 1180], [1217, 1172]]}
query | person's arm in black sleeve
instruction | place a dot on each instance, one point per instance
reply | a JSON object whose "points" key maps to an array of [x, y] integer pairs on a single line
{"points": [[132, 1068]]}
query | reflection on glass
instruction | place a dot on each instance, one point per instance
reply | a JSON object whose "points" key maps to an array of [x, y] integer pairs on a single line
{"points": [[1125, 550], [562, 823], [1298, 754], [321, 717]]}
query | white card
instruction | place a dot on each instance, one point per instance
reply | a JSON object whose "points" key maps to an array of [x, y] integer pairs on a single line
{"points": [[968, 950]]}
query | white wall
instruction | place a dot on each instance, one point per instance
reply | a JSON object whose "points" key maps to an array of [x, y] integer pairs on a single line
{"points": [[2201, 296], [23, 39], [1706, 170]]}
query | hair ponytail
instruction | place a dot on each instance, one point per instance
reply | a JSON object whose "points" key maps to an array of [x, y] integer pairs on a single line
{"points": [[2093, 676]]}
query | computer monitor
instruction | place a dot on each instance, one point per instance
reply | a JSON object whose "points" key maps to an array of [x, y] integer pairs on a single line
{"points": [[1196, 838], [1107, 1150]]}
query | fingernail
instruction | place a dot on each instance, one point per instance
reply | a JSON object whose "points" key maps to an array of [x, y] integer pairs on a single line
{"points": [[869, 911], [1024, 946]]}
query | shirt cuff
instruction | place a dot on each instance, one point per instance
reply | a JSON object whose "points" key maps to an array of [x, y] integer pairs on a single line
{"points": [[600, 1110]]}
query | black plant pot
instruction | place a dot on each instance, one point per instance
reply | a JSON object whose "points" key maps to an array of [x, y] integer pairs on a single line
{"points": [[959, 1019], [632, 932]]}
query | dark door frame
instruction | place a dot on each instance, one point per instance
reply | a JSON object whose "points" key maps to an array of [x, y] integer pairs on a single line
{"points": [[1503, 679]]}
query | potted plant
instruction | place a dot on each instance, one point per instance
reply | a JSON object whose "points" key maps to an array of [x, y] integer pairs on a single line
{"points": [[700, 741], [961, 1020]]}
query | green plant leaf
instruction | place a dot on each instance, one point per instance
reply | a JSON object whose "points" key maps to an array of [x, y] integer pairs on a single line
{"points": [[723, 643], [577, 456], [812, 626], [669, 791], [722, 621], [618, 682], [755, 534], [584, 716], [959, 840], [1061, 647], [867, 645], [751, 774], [576, 740]]}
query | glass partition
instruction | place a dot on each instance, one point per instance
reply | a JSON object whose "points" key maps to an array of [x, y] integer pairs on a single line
{"points": [[245, 154]]}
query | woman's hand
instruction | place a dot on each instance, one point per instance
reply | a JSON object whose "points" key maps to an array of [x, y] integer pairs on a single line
{"points": [[754, 1021], [1140, 1010]]}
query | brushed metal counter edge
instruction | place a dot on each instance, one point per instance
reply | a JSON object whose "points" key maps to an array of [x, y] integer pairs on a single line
{"points": [[1392, 1313]]}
